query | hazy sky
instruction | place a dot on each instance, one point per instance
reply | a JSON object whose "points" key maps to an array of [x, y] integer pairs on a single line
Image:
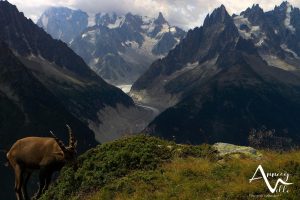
{"points": [[183, 13]]}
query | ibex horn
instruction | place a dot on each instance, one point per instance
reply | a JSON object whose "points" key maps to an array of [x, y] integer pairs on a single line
{"points": [[59, 142], [71, 137]]}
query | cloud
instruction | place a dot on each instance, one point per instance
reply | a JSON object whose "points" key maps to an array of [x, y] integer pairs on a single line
{"points": [[183, 13]]}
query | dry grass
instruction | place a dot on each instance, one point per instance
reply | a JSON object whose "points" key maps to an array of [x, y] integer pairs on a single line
{"points": [[198, 178]]}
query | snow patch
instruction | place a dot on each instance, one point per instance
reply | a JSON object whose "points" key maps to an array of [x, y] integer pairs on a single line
{"points": [[254, 32], [92, 20], [92, 34], [287, 21], [95, 61], [145, 48], [60, 33], [148, 24], [147, 20], [260, 42], [173, 30], [83, 35], [132, 44], [125, 88], [285, 48], [147, 45], [117, 24], [274, 61], [69, 17], [165, 29], [45, 20]]}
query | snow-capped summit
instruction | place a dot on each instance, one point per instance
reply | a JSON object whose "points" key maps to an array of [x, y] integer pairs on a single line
{"points": [[275, 33], [118, 47], [106, 19], [121, 47], [63, 23]]}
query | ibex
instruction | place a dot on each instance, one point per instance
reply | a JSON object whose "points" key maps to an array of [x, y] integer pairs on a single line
{"points": [[46, 154]]}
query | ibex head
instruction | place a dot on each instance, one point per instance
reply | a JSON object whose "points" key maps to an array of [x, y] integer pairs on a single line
{"points": [[70, 150]]}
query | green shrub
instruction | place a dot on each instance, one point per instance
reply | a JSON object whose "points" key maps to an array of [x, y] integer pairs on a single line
{"points": [[107, 162]]}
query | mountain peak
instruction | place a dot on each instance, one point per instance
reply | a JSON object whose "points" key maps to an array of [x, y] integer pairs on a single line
{"points": [[7, 5], [256, 7], [62, 9], [160, 19], [63, 23], [218, 15], [283, 6], [131, 17], [221, 11], [54, 8], [129, 14], [105, 19], [254, 12], [132, 20]]}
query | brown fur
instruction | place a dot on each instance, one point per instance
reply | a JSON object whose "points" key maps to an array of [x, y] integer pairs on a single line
{"points": [[38, 153]]}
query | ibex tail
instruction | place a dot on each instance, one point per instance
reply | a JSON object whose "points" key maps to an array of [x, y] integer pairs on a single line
{"points": [[6, 164]]}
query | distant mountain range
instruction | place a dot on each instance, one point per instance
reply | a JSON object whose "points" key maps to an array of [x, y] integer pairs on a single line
{"points": [[117, 47], [232, 74]]}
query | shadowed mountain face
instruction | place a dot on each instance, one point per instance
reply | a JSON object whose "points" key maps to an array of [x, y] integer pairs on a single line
{"points": [[28, 108], [56, 66], [43, 86], [118, 48], [221, 83]]}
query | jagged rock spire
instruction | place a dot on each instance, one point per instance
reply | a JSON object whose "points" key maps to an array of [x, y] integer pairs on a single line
{"points": [[219, 15], [160, 19]]}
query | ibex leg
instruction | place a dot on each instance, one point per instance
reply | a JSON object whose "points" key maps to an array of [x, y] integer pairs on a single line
{"points": [[18, 181], [48, 180], [24, 185], [42, 179]]}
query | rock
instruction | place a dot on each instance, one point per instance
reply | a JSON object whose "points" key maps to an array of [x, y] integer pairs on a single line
{"points": [[228, 149]]}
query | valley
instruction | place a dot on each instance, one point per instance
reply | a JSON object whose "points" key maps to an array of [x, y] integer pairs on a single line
{"points": [[127, 88]]}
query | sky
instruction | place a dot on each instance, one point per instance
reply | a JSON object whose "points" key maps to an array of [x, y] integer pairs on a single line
{"points": [[183, 13]]}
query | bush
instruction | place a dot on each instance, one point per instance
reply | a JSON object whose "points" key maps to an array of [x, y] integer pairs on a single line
{"points": [[110, 161], [267, 139]]}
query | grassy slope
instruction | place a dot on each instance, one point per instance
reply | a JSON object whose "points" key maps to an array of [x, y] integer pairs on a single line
{"points": [[143, 167]]}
